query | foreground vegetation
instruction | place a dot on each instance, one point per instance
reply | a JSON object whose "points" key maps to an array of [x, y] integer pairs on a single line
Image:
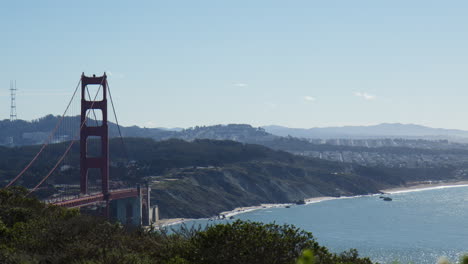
{"points": [[32, 232]]}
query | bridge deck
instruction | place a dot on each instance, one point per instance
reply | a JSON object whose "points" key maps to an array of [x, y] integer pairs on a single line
{"points": [[80, 201]]}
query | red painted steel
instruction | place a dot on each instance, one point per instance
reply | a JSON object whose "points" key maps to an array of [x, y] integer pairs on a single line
{"points": [[81, 201], [121, 194], [95, 198], [101, 162]]}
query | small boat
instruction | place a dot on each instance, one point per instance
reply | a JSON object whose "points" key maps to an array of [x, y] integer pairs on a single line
{"points": [[287, 206], [299, 202], [387, 199]]}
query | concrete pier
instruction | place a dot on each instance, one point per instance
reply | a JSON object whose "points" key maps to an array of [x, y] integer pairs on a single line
{"points": [[133, 211]]}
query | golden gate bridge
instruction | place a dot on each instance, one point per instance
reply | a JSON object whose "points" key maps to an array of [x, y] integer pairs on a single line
{"points": [[127, 205]]}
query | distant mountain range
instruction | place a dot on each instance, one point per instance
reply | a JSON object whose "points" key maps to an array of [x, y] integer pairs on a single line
{"points": [[385, 130], [22, 132]]}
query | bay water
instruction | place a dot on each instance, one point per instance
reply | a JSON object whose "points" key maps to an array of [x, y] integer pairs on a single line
{"points": [[417, 226]]}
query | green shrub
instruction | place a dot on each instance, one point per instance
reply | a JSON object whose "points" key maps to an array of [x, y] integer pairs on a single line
{"points": [[307, 257], [32, 232]]}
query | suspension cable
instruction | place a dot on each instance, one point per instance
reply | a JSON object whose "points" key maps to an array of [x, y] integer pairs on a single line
{"points": [[55, 167], [69, 146], [117, 122], [47, 141], [94, 113]]}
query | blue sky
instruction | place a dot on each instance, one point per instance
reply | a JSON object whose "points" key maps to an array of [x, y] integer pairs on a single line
{"points": [[294, 63]]}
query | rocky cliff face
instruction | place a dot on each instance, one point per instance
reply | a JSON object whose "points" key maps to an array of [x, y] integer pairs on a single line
{"points": [[204, 192]]}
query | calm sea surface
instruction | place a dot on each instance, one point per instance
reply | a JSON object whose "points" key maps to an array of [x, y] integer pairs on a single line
{"points": [[416, 227]]}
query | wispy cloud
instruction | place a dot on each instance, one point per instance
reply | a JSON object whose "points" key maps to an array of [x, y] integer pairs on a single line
{"points": [[365, 95], [309, 98], [150, 124], [240, 85]]}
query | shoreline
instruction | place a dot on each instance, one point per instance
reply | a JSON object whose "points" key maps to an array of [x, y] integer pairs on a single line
{"points": [[409, 187]]}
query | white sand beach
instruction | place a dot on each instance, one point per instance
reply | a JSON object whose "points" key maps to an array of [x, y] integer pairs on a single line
{"points": [[410, 187]]}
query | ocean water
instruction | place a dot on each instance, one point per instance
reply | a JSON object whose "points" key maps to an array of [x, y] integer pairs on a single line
{"points": [[416, 227]]}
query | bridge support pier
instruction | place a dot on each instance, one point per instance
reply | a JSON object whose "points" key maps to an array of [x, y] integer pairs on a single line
{"points": [[133, 211]]}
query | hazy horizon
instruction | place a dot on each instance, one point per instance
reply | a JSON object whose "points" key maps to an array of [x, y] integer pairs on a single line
{"points": [[271, 125]]}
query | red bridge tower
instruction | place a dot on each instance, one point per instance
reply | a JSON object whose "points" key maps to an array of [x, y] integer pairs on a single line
{"points": [[101, 162]]}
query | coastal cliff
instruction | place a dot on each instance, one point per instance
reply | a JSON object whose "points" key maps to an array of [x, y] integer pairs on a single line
{"points": [[202, 178]]}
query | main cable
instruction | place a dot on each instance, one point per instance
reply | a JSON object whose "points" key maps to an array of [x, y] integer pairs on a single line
{"points": [[47, 141], [117, 122], [69, 146]]}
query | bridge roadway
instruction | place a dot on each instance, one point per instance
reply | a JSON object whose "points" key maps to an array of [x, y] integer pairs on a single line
{"points": [[84, 200]]}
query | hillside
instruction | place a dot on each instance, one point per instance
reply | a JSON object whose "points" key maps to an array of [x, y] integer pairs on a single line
{"points": [[204, 177], [36, 131], [20, 132], [373, 152], [368, 151]]}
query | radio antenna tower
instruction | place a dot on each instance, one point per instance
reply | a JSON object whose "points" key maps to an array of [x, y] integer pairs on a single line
{"points": [[13, 100]]}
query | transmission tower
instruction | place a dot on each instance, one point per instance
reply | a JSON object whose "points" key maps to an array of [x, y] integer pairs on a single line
{"points": [[13, 100]]}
